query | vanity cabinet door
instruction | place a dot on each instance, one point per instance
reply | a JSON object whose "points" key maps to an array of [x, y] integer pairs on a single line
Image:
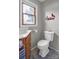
{"points": [[27, 46]]}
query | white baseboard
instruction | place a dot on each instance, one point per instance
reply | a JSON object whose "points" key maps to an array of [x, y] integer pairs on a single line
{"points": [[54, 49], [33, 48], [49, 47]]}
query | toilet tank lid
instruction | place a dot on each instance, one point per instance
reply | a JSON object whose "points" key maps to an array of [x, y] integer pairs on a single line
{"points": [[43, 42], [49, 31]]}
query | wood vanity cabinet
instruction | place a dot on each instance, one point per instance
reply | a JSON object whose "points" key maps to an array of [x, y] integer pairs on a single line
{"points": [[27, 46]]}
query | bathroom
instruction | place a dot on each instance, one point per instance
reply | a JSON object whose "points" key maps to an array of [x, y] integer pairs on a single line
{"points": [[43, 22]]}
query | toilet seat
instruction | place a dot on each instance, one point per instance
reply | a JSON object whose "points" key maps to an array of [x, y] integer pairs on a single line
{"points": [[43, 43], [43, 46]]}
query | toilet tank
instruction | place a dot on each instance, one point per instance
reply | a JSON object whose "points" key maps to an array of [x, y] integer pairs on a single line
{"points": [[49, 35]]}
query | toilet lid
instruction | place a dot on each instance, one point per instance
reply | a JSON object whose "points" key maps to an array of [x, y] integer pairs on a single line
{"points": [[42, 42]]}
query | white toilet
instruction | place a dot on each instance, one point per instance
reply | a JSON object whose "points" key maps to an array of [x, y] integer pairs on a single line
{"points": [[44, 44]]}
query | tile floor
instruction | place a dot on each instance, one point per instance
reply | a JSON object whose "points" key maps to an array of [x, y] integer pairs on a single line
{"points": [[51, 55]]}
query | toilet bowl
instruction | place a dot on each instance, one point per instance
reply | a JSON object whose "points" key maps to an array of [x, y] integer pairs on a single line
{"points": [[43, 46], [44, 43]]}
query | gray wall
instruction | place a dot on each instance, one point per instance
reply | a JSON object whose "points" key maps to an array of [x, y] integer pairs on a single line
{"points": [[43, 24], [35, 36], [52, 6]]}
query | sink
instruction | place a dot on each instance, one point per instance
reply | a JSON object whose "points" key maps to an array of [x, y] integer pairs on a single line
{"points": [[23, 33]]}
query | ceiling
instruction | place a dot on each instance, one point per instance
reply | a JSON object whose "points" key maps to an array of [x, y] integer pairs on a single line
{"points": [[42, 0]]}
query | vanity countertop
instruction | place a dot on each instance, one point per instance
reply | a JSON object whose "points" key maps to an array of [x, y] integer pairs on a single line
{"points": [[23, 34]]}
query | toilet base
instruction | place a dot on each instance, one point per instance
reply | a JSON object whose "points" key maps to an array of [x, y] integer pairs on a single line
{"points": [[43, 53]]}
